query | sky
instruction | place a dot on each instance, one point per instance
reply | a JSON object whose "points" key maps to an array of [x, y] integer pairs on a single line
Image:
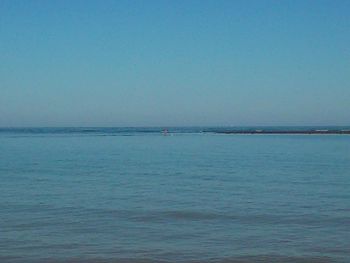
{"points": [[174, 63]]}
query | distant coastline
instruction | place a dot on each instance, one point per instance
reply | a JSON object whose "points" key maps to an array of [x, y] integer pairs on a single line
{"points": [[129, 131], [260, 131]]}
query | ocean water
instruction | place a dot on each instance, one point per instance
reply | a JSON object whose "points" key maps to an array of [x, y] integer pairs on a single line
{"points": [[135, 195]]}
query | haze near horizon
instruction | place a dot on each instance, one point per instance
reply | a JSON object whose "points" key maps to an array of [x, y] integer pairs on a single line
{"points": [[177, 63]]}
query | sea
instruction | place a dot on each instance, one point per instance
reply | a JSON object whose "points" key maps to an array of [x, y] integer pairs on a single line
{"points": [[177, 195]]}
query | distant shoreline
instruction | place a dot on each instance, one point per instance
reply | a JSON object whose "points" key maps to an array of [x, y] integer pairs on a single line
{"points": [[280, 131], [126, 131]]}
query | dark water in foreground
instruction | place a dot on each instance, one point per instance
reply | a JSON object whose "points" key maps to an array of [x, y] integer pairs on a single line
{"points": [[134, 195]]}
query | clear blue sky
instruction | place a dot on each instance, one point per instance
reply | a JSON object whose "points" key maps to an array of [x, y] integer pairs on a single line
{"points": [[147, 63]]}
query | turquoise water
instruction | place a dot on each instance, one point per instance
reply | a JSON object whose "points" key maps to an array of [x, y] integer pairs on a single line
{"points": [[134, 195]]}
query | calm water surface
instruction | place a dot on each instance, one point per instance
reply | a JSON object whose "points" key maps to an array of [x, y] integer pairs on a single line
{"points": [[81, 195]]}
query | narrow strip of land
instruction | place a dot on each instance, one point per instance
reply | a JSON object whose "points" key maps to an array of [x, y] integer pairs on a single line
{"points": [[280, 131]]}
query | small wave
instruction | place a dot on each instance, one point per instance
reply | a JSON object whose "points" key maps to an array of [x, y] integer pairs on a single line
{"points": [[179, 215], [277, 259]]}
